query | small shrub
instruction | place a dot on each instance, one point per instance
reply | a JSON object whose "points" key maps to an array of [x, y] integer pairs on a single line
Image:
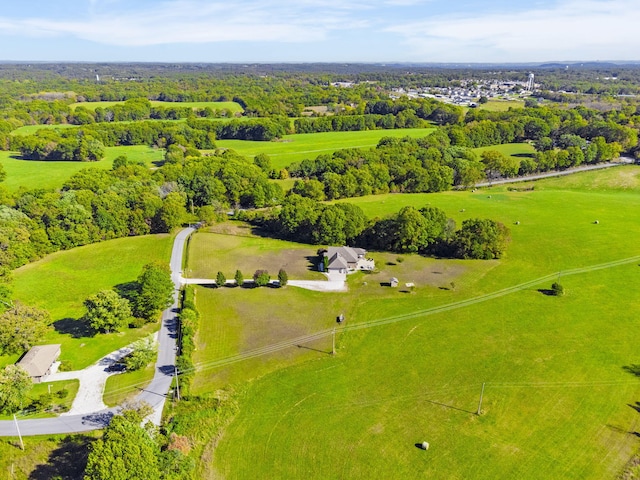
{"points": [[400, 259], [65, 366], [261, 278], [143, 353], [64, 393], [137, 322], [557, 289], [239, 278], [283, 278]]}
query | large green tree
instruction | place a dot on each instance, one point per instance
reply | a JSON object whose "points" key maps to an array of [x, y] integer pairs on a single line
{"points": [[154, 291], [21, 326], [106, 311], [15, 384], [126, 452], [481, 239]]}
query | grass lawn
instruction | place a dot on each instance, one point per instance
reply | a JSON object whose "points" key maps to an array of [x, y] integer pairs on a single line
{"points": [[557, 398], [125, 386], [62, 281], [233, 106], [510, 149], [62, 403], [294, 148], [47, 174], [210, 253], [44, 457]]}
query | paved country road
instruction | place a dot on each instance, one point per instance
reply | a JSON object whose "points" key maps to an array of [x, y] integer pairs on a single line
{"points": [[156, 392]]}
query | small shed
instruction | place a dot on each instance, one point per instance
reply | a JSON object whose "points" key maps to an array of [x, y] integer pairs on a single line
{"points": [[39, 360], [393, 282]]}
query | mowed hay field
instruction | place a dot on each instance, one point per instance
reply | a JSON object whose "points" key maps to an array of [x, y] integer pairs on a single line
{"points": [[557, 396], [295, 148], [51, 175]]}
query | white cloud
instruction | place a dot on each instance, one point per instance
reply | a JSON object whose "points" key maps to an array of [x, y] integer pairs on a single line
{"points": [[592, 29], [196, 21]]}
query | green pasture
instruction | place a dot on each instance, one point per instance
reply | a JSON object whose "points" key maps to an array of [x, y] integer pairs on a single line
{"points": [[295, 148], [47, 174], [32, 129], [61, 282], [233, 106], [557, 396], [555, 403], [496, 105], [510, 149]]}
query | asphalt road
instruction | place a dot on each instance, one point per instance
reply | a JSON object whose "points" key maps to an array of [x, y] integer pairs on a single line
{"points": [[156, 392]]}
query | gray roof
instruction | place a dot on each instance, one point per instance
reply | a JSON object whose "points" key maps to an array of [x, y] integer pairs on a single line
{"points": [[349, 254], [38, 360], [337, 261]]}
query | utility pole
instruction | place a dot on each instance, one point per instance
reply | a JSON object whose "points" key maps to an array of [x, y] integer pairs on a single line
{"points": [[333, 348], [175, 373], [480, 403], [18, 428]]}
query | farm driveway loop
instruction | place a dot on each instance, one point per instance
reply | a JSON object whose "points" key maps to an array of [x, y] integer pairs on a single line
{"points": [[92, 382]]}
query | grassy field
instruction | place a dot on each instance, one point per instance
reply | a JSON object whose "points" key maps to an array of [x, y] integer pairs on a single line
{"points": [[45, 174], [511, 149], [127, 385], [63, 280], [294, 148], [45, 457], [210, 253], [501, 105], [233, 106], [557, 396]]}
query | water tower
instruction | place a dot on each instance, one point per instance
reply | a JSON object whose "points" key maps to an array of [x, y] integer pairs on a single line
{"points": [[530, 83]]}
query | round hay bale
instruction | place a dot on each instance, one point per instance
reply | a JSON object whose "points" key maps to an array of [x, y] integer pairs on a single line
{"points": [[596, 222], [425, 445], [518, 222]]}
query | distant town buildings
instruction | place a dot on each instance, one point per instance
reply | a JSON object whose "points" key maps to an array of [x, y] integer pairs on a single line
{"points": [[467, 92]]}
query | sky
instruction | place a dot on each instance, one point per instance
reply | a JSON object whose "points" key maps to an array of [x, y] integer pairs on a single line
{"points": [[382, 31]]}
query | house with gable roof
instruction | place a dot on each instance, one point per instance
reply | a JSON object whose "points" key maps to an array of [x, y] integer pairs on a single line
{"points": [[345, 260], [38, 361]]}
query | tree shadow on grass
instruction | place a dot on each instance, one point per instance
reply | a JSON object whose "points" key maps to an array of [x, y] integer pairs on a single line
{"points": [[546, 291], [128, 290], [633, 369], [66, 462], [75, 327], [312, 262], [635, 406]]}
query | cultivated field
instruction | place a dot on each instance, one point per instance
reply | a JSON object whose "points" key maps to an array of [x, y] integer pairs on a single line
{"points": [[410, 364], [294, 148], [47, 174]]}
